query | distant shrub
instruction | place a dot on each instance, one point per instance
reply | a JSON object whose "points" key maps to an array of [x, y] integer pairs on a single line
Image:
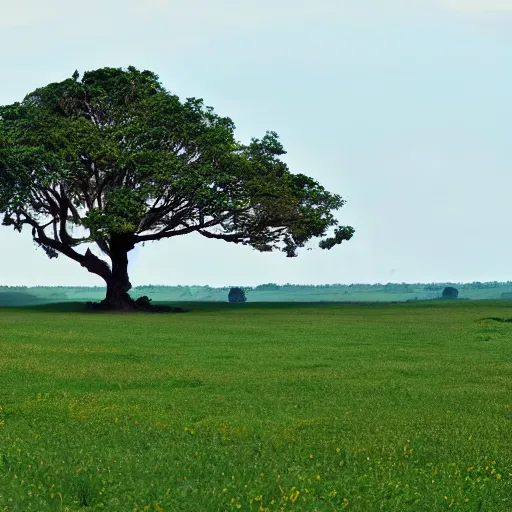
{"points": [[450, 293], [506, 295], [236, 295], [143, 301]]}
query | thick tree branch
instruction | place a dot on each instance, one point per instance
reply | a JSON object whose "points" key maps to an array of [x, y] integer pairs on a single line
{"points": [[43, 238], [186, 230], [95, 265], [155, 215], [91, 262]]}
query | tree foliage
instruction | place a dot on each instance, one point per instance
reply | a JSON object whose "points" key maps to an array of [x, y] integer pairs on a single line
{"points": [[114, 159]]}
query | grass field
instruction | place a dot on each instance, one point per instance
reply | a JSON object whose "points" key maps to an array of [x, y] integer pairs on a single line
{"points": [[403, 407]]}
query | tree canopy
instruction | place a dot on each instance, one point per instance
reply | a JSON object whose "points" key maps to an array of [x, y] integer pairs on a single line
{"points": [[114, 159]]}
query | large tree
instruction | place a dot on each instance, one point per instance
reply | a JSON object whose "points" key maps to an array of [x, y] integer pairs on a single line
{"points": [[114, 159]]}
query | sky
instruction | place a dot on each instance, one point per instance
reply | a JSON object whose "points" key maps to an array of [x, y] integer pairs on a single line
{"points": [[403, 108]]}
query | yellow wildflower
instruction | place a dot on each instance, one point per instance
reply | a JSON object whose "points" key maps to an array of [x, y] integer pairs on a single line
{"points": [[294, 494]]}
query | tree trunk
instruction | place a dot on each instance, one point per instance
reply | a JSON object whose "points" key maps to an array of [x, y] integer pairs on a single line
{"points": [[117, 293], [118, 283]]}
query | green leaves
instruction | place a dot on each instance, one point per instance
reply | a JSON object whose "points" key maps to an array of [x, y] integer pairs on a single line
{"points": [[116, 153], [340, 235], [124, 209]]}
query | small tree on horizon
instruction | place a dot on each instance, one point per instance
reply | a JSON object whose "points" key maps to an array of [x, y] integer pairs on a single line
{"points": [[237, 295], [114, 160], [450, 293]]}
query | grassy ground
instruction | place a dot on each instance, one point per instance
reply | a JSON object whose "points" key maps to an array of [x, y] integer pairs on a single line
{"points": [[404, 407]]}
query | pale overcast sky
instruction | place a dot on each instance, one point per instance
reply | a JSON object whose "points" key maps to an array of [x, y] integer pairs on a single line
{"points": [[403, 107]]}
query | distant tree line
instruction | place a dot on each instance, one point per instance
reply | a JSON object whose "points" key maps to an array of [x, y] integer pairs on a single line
{"points": [[273, 287]]}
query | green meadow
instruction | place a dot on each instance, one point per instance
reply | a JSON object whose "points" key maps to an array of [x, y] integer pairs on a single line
{"points": [[257, 407]]}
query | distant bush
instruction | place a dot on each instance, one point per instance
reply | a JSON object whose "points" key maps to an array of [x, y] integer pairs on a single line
{"points": [[506, 295], [143, 301], [450, 293], [236, 295]]}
